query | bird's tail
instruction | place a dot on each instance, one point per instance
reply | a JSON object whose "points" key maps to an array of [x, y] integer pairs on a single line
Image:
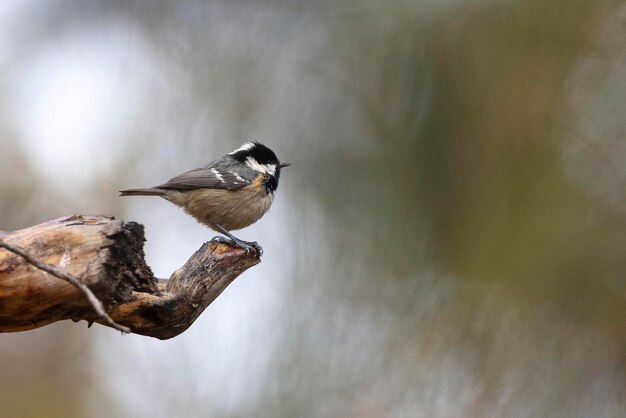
{"points": [[153, 191]]}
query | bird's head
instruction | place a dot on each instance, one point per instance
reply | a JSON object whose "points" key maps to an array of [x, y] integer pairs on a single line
{"points": [[262, 160]]}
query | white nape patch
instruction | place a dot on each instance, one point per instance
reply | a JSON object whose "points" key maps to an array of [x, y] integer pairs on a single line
{"points": [[217, 174], [244, 147], [261, 168], [64, 259]]}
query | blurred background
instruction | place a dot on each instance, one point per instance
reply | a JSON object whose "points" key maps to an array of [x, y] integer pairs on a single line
{"points": [[450, 240]]}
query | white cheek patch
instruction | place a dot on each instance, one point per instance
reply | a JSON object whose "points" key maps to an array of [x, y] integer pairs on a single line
{"points": [[217, 174], [261, 168], [244, 147]]}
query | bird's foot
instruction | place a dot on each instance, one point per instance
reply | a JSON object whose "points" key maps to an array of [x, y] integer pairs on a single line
{"points": [[248, 247]]}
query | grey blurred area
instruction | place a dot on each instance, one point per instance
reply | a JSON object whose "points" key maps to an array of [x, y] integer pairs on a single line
{"points": [[449, 241]]}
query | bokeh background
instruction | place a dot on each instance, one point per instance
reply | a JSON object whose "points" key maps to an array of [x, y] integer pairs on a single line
{"points": [[450, 240]]}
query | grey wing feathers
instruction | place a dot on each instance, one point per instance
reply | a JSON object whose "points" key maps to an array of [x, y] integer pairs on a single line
{"points": [[218, 174]]}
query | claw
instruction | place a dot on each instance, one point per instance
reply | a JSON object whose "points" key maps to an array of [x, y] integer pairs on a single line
{"points": [[221, 239], [248, 247]]}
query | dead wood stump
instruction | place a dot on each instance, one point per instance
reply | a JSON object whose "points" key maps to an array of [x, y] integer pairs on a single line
{"points": [[107, 255]]}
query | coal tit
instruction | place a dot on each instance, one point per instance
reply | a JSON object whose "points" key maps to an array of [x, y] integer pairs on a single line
{"points": [[231, 192]]}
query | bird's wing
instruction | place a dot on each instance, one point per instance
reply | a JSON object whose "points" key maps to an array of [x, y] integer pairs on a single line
{"points": [[218, 174]]}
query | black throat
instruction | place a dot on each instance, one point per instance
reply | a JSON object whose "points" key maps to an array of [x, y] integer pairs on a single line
{"points": [[271, 182]]}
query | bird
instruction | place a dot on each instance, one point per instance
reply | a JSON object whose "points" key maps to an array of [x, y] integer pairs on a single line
{"points": [[229, 193]]}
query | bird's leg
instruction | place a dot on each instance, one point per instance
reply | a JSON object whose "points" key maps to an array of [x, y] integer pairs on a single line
{"points": [[248, 246]]}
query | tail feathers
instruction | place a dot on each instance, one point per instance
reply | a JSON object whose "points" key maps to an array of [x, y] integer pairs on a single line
{"points": [[142, 192]]}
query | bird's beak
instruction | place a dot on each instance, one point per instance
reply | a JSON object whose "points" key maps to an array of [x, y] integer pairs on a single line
{"points": [[284, 164]]}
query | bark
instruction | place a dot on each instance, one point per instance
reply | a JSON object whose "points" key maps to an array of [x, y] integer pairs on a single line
{"points": [[107, 255]]}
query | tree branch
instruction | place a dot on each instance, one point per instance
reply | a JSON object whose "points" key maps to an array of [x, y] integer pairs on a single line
{"points": [[106, 256], [95, 303]]}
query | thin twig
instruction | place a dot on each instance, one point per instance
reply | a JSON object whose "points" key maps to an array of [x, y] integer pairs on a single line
{"points": [[93, 300]]}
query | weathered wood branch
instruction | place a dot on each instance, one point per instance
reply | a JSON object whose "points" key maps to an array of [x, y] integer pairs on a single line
{"points": [[107, 256], [97, 306]]}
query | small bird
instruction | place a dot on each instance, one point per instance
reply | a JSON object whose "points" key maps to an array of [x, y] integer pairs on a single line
{"points": [[231, 192]]}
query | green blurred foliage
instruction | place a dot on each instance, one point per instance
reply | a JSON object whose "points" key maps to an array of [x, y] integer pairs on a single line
{"points": [[481, 162]]}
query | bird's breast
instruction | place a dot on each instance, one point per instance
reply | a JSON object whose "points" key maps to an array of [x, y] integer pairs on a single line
{"points": [[232, 209]]}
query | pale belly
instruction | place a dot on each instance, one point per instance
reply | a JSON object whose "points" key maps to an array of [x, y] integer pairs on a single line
{"points": [[231, 209]]}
